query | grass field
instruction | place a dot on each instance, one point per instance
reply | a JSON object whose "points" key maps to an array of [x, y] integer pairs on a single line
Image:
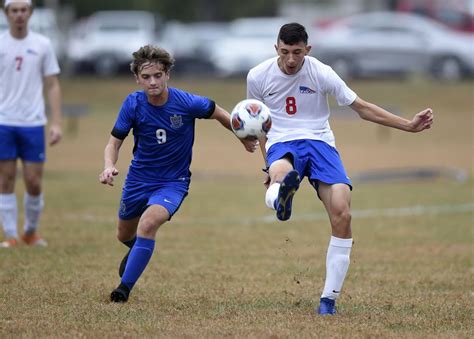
{"points": [[224, 266]]}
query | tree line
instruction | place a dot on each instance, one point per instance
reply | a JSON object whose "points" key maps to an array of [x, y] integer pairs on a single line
{"points": [[183, 10]]}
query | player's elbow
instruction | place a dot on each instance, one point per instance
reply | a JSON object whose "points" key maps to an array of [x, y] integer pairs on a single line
{"points": [[365, 115], [362, 108]]}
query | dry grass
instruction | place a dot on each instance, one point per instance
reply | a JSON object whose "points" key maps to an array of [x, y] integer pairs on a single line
{"points": [[221, 267]]}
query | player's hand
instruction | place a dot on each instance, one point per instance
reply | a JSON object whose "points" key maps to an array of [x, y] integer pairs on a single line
{"points": [[55, 134], [107, 176], [250, 144], [422, 121], [266, 183]]}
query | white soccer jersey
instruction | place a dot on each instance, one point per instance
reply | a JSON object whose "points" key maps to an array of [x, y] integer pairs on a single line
{"points": [[299, 102], [23, 65]]}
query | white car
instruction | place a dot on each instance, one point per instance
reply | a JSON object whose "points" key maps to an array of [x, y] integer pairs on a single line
{"points": [[389, 43], [105, 42], [249, 42]]}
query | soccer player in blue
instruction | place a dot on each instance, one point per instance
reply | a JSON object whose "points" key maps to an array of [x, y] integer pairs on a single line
{"points": [[162, 119]]}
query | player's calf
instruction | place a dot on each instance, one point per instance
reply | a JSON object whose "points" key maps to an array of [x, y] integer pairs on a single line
{"points": [[123, 263]]}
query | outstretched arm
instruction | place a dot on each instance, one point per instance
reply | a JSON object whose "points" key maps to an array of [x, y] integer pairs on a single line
{"points": [[111, 154], [223, 117], [368, 111]]}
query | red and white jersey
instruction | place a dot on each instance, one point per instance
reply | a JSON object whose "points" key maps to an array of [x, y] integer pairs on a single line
{"points": [[298, 102], [23, 65]]}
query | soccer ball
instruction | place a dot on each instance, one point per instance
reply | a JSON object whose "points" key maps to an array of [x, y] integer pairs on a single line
{"points": [[250, 118]]}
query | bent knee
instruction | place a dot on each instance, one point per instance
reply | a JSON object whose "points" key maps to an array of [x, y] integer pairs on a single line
{"points": [[149, 226], [345, 217], [125, 234], [341, 224], [122, 237], [126, 229], [279, 169], [341, 217]]}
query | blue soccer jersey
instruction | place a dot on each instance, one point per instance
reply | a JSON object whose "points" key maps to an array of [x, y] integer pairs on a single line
{"points": [[163, 135]]}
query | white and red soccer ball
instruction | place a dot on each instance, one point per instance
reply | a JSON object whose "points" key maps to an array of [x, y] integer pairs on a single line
{"points": [[250, 118]]}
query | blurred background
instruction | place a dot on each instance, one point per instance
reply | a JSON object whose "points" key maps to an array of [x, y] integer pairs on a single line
{"points": [[225, 266], [358, 38], [404, 55]]}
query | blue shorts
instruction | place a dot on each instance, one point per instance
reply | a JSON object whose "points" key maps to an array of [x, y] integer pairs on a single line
{"points": [[314, 159], [26, 143], [137, 196]]}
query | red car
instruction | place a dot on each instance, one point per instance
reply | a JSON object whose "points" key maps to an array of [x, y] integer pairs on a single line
{"points": [[456, 14]]}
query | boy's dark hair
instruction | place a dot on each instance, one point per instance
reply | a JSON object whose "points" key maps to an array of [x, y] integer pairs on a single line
{"points": [[151, 54], [293, 33]]}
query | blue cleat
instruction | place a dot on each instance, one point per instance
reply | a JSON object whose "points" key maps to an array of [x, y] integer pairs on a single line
{"points": [[327, 306], [288, 188]]}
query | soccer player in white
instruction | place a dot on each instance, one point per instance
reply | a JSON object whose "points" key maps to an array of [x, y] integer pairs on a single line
{"points": [[300, 143], [27, 61]]}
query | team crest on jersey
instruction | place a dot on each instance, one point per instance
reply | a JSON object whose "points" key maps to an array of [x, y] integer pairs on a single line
{"points": [[306, 90], [30, 51], [176, 121]]}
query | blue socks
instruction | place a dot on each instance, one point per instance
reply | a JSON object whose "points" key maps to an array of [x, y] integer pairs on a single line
{"points": [[138, 259]]}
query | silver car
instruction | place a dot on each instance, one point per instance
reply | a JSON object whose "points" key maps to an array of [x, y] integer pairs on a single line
{"points": [[106, 40], [387, 43]]}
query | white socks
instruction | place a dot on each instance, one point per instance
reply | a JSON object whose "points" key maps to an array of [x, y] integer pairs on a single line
{"points": [[272, 195], [9, 215], [337, 264], [33, 208]]}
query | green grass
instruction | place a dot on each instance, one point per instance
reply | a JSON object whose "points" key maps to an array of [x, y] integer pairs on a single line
{"points": [[222, 267]]}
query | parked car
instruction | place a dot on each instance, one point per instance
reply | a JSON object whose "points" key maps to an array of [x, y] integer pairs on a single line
{"points": [[457, 15], [249, 42], [191, 44], [43, 21], [389, 43], [106, 40]]}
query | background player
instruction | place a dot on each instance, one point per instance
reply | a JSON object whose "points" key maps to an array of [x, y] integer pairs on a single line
{"points": [[300, 143], [27, 61]]}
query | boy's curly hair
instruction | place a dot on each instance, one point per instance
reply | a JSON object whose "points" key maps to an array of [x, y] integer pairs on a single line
{"points": [[151, 54]]}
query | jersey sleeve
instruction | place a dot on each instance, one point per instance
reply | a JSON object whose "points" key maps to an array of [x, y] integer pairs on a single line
{"points": [[201, 107], [125, 119], [50, 62], [253, 91], [336, 87]]}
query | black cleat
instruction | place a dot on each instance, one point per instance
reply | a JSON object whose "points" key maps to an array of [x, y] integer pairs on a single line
{"points": [[120, 294], [288, 188], [123, 264]]}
